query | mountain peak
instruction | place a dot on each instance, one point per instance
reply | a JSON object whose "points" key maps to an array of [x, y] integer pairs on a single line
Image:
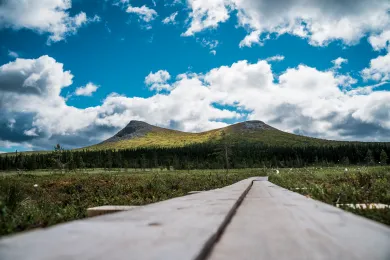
{"points": [[136, 123], [133, 129], [252, 125]]}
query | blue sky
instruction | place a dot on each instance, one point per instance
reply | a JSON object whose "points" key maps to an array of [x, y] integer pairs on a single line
{"points": [[80, 78]]}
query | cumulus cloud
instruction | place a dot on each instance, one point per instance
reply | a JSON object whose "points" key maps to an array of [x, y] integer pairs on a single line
{"points": [[338, 62], [317, 20], [300, 100], [158, 81], [380, 41], [44, 16], [36, 77], [30, 101], [206, 14], [250, 39], [145, 13], [345, 81], [170, 19], [379, 69], [86, 90]]}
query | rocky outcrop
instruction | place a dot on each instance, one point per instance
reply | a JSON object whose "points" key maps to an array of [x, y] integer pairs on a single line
{"points": [[256, 124], [132, 130]]}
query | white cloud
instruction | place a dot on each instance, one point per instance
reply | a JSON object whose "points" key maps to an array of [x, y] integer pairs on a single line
{"points": [[145, 13], [319, 21], [275, 58], [86, 90], [206, 14], [121, 2], [380, 41], [170, 19], [13, 54], [173, 3], [158, 81], [251, 38], [42, 76], [212, 44], [345, 80], [43, 16], [379, 68], [338, 62], [31, 132], [301, 100]]}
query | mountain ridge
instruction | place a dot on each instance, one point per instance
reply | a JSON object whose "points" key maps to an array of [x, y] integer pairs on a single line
{"points": [[137, 128], [139, 134]]}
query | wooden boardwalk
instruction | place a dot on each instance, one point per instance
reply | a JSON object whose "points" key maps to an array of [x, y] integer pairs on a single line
{"points": [[252, 219]]}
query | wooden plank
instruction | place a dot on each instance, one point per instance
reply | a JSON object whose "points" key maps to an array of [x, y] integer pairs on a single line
{"points": [[107, 209], [179, 228], [274, 223]]}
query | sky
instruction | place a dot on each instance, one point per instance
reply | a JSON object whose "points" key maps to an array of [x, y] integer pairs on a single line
{"points": [[76, 72]]}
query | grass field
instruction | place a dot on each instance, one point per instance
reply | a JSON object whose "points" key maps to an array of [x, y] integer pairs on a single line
{"points": [[41, 199], [337, 186]]}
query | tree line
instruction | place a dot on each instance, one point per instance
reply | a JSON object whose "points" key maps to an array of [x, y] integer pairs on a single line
{"points": [[202, 156]]}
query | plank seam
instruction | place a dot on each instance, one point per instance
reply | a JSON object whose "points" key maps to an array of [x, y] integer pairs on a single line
{"points": [[213, 240]]}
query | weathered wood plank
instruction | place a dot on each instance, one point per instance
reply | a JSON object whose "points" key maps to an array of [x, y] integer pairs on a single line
{"points": [[179, 228], [274, 223]]}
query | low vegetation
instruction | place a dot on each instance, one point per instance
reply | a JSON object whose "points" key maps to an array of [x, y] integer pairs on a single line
{"points": [[43, 198], [339, 185]]}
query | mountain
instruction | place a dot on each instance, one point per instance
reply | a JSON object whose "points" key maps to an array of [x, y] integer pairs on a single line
{"points": [[139, 134]]}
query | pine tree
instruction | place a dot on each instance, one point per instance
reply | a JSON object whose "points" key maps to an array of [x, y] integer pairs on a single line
{"points": [[109, 160], [345, 160], [56, 157], [369, 158], [71, 162], [21, 160], [126, 165], [383, 157], [81, 162]]}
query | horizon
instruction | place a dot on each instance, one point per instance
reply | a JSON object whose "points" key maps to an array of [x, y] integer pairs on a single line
{"points": [[83, 70]]}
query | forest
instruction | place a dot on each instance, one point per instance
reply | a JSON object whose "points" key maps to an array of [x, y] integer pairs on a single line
{"points": [[202, 156]]}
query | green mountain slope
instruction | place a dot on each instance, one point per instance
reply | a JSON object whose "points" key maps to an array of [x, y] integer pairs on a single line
{"points": [[139, 134]]}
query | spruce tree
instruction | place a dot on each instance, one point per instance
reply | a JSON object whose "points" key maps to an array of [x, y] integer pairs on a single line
{"points": [[81, 162], [109, 160], [345, 160], [71, 162], [369, 157], [383, 157]]}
